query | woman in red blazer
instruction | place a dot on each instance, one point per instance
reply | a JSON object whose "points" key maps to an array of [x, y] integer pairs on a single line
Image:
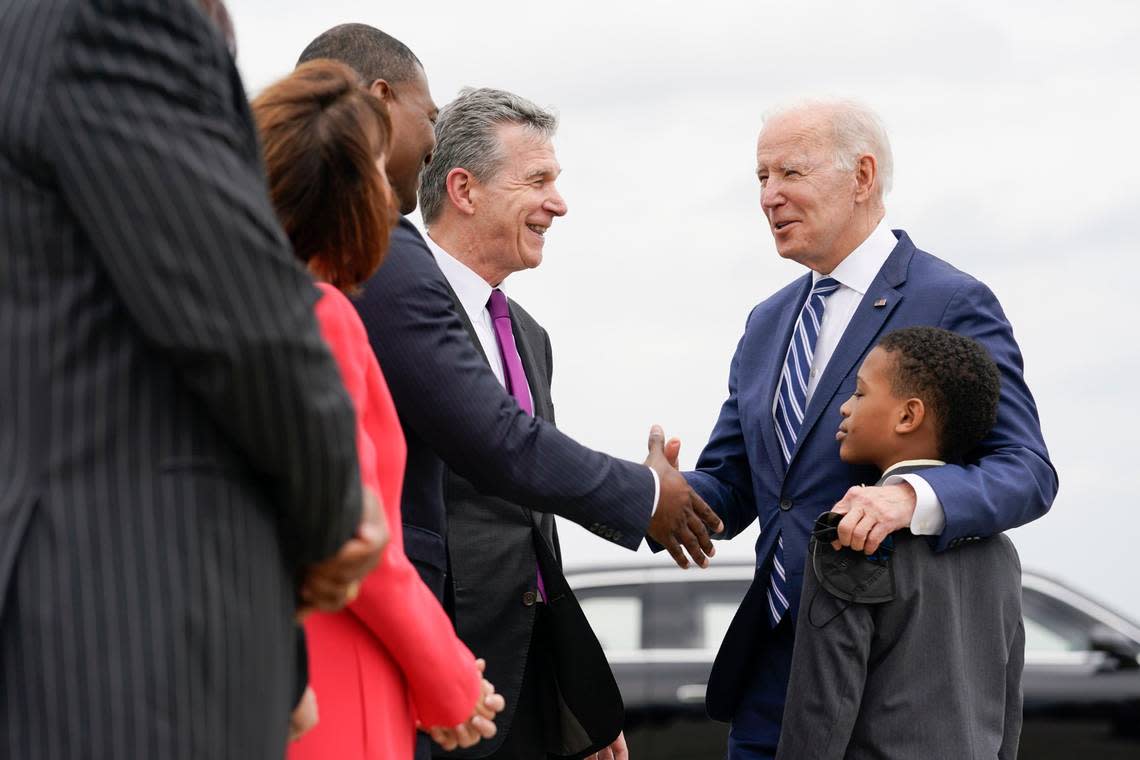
{"points": [[390, 660]]}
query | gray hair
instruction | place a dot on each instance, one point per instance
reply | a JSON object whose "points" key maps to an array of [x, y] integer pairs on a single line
{"points": [[466, 134], [856, 130]]}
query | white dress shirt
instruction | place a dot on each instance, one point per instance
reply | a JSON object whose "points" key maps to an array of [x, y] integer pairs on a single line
{"points": [[855, 275], [473, 293]]}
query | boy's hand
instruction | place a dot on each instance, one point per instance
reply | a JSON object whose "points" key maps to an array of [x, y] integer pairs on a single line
{"points": [[870, 514]]}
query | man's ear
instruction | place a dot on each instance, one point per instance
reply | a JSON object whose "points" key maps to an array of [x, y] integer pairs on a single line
{"points": [[911, 416], [461, 187], [866, 173], [382, 90]]}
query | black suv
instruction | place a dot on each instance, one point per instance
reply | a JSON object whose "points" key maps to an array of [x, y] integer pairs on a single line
{"points": [[660, 628]]}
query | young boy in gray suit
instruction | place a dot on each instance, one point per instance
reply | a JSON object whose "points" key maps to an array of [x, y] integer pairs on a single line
{"points": [[907, 653]]}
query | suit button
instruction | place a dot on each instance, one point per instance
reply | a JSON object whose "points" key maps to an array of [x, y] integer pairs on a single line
{"points": [[529, 598], [785, 504]]}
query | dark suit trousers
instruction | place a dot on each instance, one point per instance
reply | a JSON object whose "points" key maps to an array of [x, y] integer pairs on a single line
{"points": [[755, 730]]}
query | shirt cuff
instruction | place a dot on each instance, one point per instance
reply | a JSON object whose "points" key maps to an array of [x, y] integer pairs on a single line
{"points": [[656, 491], [929, 518]]}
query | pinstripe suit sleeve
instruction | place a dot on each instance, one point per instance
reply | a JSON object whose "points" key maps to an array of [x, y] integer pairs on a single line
{"points": [[447, 395], [155, 156]]}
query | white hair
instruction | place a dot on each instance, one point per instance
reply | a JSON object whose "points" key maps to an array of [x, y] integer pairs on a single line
{"points": [[856, 130]]}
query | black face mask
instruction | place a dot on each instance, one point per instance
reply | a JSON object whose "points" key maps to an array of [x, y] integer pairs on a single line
{"points": [[849, 575]]}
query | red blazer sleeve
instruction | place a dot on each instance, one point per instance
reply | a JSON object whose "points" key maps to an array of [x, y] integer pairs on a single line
{"points": [[394, 604]]}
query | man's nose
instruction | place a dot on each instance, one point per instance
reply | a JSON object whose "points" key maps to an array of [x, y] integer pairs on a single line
{"points": [[555, 203], [771, 194]]}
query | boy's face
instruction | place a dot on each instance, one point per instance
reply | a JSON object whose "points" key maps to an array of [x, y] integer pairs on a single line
{"points": [[867, 434]]}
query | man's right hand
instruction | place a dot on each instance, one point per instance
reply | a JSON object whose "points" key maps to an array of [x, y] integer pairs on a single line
{"points": [[682, 517], [330, 585]]}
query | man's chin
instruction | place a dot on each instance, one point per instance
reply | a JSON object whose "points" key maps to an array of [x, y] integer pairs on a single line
{"points": [[408, 198], [788, 251]]}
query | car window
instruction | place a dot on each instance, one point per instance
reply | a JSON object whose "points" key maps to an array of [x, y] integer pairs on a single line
{"points": [[692, 614], [615, 614], [1052, 625], [715, 617]]}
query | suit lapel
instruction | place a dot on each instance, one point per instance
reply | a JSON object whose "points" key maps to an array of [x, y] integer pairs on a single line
{"points": [[535, 374], [771, 373], [866, 324]]}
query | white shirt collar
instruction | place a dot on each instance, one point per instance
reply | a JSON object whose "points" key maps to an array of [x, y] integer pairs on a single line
{"points": [[913, 463], [471, 289], [859, 269]]}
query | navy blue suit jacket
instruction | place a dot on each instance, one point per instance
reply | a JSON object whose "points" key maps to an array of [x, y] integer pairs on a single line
{"points": [[1007, 481], [456, 414]]}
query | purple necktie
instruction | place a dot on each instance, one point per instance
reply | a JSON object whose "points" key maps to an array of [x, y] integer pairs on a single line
{"points": [[512, 370], [512, 365]]}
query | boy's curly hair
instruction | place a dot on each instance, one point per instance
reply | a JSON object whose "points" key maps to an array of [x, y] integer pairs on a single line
{"points": [[954, 376]]}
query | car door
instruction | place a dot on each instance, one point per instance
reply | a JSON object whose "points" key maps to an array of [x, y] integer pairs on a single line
{"points": [[1081, 683], [686, 622]]}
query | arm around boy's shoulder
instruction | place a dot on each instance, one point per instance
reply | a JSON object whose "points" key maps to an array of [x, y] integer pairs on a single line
{"points": [[1012, 481]]}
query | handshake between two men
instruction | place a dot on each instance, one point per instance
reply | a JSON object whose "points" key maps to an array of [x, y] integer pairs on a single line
{"points": [[682, 522], [682, 518]]}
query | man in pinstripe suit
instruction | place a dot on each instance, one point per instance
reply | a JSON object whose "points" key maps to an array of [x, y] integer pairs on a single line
{"points": [[175, 445]]}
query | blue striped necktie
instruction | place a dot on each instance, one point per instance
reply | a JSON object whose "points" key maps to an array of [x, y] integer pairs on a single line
{"points": [[791, 401]]}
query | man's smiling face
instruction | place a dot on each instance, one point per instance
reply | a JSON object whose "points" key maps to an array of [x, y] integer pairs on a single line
{"points": [[518, 204], [809, 203]]}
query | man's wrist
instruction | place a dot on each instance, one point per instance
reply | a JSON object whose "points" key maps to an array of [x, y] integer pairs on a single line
{"points": [[928, 518]]}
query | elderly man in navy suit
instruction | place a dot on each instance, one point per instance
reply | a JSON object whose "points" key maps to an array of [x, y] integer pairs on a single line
{"points": [[824, 168]]}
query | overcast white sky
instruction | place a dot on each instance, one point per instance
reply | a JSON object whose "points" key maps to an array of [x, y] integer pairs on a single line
{"points": [[1011, 126]]}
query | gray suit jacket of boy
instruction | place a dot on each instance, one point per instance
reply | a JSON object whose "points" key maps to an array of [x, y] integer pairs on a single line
{"points": [[935, 673]]}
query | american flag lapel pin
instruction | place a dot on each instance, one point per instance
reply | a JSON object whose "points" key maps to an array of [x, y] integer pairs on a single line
{"points": [[880, 303]]}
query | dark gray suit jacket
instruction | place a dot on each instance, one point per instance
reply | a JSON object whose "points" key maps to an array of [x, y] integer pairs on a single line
{"points": [[175, 442], [934, 673], [493, 548]]}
